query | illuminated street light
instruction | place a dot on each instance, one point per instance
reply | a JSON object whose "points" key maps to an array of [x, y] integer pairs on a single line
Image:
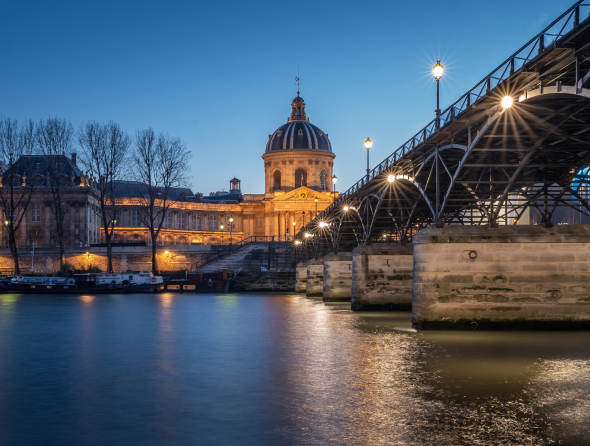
{"points": [[368, 145], [323, 224], [307, 234], [166, 252], [346, 208], [437, 70], [391, 178], [507, 102], [334, 180]]}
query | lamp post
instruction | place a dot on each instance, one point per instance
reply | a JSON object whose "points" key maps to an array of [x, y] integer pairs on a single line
{"points": [[368, 145], [231, 226], [221, 228], [437, 70], [303, 220], [294, 224], [316, 207], [334, 179]]}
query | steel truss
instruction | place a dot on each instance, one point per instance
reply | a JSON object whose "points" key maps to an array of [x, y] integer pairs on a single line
{"points": [[478, 163]]}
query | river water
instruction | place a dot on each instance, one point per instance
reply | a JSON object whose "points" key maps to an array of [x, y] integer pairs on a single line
{"points": [[273, 369]]}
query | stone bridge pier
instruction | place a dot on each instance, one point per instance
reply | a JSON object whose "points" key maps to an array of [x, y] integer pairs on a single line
{"points": [[314, 286], [511, 277], [301, 277], [337, 277], [382, 277]]}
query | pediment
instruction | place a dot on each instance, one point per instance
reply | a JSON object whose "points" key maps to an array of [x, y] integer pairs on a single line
{"points": [[303, 194]]}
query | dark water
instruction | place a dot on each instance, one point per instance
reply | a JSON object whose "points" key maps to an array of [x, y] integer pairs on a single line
{"points": [[276, 369]]}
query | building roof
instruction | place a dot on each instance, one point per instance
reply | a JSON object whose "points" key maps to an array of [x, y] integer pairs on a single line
{"points": [[35, 168], [136, 189], [298, 133]]}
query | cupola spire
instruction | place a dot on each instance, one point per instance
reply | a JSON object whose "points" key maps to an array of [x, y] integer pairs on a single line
{"points": [[298, 109]]}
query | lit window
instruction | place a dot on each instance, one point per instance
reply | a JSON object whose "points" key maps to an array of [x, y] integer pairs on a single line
{"points": [[259, 220], [277, 180], [196, 222]]}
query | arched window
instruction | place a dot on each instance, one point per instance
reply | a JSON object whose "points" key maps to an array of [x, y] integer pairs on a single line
{"points": [[323, 180], [300, 178], [277, 180]]}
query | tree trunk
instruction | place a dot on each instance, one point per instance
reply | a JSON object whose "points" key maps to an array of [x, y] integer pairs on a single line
{"points": [[154, 253], [109, 252], [14, 251]]}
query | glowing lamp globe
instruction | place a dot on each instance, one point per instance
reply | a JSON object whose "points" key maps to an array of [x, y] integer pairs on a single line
{"points": [[507, 102]]}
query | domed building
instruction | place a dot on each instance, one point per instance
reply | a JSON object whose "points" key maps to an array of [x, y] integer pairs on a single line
{"points": [[298, 168]]}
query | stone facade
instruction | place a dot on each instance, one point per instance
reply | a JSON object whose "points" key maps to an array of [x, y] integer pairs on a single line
{"points": [[512, 276], [337, 277], [382, 277], [301, 277], [315, 278]]}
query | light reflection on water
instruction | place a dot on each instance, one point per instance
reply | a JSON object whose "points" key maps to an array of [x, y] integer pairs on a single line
{"points": [[277, 369]]}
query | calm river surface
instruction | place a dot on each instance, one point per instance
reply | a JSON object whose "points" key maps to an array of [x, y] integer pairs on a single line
{"points": [[272, 369]]}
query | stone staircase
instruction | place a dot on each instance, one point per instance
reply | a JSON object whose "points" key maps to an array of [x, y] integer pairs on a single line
{"points": [[250, 258]]}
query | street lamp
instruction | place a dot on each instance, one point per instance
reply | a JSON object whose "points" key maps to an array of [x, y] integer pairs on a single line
{"points": [[316, 207], [437, 70], [507, 102], [303, 220], [221, 227], [334, 179], [231, 225], [368, 145]]}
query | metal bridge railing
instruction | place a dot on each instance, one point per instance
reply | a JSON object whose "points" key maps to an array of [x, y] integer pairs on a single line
{"points": [[543, 41]]}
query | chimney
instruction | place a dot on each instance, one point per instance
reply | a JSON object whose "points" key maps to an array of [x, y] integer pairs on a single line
{"points": [[74, 155]]}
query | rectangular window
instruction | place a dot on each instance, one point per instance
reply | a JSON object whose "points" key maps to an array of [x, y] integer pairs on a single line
{"points": [[167, 221], [180, 221], [196, 222], [212, 222], [135, 218], [35, 211], [259, 220], [117, 219]]}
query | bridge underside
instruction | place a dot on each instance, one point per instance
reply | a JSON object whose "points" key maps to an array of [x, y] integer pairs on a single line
{"points": [[479, 163]]}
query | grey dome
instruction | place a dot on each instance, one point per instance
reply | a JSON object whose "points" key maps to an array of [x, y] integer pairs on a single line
{"points": [[298, 133]]}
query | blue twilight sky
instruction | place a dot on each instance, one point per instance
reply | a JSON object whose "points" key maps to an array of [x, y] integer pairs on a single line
{"points": [[220, 74]]}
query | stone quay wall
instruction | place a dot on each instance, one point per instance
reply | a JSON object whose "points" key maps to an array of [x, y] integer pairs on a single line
{"points": [[301, 277], [315, 278], [337, 277], [382, 277], [512, 276], [46, 260]]}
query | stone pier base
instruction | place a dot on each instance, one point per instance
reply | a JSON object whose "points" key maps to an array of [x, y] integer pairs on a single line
{"points": [[301, 277], [382, 277], [338, 277], [509, 277], [315, 278]]}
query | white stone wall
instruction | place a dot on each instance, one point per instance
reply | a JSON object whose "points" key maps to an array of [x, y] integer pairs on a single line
{"points": [[301, 277], [315, 278], [515, 276], [337, 277]]}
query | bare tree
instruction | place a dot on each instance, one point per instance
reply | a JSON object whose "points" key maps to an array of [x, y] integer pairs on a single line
{"points": [[16, 143], [161, 165], [55, 139], [104, 150]]}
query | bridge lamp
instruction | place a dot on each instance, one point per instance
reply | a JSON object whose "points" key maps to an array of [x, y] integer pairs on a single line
{"points": [[437, 71], [307, 234], [345, 208], [507, 102], [323, 224], [391, 178], [298, 242], [368, 145]]}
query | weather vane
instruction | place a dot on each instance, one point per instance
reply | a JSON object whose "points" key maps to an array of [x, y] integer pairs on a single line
{"points": [[298, 81]]}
